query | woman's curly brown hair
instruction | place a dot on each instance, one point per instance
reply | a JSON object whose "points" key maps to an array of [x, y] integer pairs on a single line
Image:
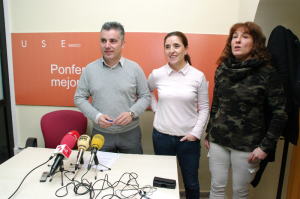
{"points": [[259, 50]]}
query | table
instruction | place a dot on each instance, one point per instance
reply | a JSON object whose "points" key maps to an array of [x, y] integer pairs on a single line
{"points": [[145, 166]]}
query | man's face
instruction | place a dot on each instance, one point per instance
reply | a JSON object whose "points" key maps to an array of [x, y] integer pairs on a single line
{"points": [[111, 44]]}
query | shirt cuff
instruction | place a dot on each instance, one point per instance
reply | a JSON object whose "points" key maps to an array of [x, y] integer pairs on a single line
{"points": [[97, 117], [196, 135]]}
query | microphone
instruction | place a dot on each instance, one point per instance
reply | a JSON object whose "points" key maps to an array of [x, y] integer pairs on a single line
{"points": [[96, 144], [82, 144], [64, 150]]}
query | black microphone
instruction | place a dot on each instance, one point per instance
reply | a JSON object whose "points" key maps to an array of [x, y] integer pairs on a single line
{"points": [[64, 150], [82, 144], [96, 144]]}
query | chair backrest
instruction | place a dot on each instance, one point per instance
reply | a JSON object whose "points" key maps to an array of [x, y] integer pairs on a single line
{"points": [[56, 124]]}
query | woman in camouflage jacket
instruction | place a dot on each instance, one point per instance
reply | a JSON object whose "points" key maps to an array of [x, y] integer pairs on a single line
{"points": [[247, 92]]}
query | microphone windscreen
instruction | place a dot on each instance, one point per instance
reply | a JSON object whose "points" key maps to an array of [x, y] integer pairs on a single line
{"points": [[97, 141], [83, 142], [70, 139]]}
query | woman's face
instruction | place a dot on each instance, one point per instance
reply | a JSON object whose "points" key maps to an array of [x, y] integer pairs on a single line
{"points": [[175, 51], [241, 44]]}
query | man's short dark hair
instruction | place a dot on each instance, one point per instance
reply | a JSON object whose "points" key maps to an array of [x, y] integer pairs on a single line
{"points": [[114, 25]]}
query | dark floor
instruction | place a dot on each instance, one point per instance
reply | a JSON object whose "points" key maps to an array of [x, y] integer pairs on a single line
{"points": [[203, 195]]}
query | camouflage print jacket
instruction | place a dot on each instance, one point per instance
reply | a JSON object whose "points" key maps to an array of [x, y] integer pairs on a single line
{"points": [[248, 108]]}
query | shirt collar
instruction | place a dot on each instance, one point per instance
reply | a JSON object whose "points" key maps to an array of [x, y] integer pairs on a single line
{"points": [[121, 62], [183, 71]]}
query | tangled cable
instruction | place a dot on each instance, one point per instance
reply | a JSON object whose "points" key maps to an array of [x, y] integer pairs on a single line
{"points": [[126, 187]]}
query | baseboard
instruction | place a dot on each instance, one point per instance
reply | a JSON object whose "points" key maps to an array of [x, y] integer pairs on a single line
{"points": [[203, 194]]}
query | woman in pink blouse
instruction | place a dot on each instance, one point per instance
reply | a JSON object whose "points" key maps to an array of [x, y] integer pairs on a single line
{"points": [[181, 110]]}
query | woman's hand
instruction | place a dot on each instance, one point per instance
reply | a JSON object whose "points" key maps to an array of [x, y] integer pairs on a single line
{"points": [[257, 154], [206, 144], [189, 137]]}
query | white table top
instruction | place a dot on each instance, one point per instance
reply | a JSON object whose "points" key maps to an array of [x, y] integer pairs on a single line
{"points": [[145, 166]]}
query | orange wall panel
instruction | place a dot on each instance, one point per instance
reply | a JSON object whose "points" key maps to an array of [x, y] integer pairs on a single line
{"points": [[47, 66]]}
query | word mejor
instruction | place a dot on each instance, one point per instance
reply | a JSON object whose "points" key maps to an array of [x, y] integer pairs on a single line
{"points": [[65, 82]]}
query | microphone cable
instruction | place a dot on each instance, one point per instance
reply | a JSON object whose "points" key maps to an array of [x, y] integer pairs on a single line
{"points": [[127, 183], [131, 186], [77, 185], [28, 175]]}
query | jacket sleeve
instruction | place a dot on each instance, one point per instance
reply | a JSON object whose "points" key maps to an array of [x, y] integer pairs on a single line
{"points": [[215, 102], [276, 106]]}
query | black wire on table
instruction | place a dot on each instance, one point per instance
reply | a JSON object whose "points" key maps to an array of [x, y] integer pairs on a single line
{"points": [[84, 186], [27, 176]]}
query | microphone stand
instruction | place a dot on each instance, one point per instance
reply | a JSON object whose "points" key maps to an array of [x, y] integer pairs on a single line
{"points": [[97, 163], [77, 167], [61, 169], [81, 159], [76, 171]]}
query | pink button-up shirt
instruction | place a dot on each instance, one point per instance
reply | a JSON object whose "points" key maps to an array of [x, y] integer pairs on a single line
{"points": [[182, 106]]}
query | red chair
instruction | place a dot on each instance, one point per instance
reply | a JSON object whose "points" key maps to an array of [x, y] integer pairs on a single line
{"points": [[56, 124]]}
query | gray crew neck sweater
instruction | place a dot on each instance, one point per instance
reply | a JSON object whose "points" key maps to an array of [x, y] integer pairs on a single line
{"points": [[122, 88]]}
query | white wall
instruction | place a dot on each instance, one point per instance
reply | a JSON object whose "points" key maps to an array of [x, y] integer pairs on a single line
{"points": [[193, 16], [271, 13], [190, 16]]}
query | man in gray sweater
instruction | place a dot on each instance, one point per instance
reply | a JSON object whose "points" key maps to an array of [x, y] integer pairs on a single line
{"points": [[119, 92]]}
